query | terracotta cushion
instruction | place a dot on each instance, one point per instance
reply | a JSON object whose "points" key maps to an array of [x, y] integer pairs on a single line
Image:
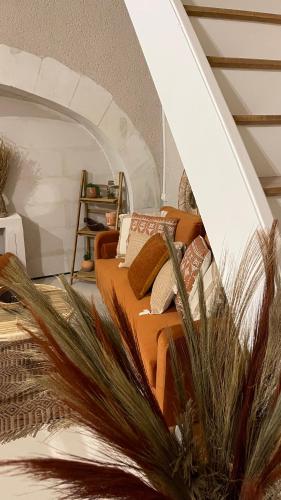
{"points": [[189, 225], [110, 279], [147, 264]]}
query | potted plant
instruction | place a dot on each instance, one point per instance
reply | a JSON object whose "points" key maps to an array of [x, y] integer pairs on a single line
{"points": [[93, 190], [87, 264]]}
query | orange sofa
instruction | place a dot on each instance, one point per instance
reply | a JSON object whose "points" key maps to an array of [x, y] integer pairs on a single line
{"points": [[152, 331]]}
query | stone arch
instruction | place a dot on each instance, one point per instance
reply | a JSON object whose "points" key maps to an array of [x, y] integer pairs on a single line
{"points": [[48, 81]]}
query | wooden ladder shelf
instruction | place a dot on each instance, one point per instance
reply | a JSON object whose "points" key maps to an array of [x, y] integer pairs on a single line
{"points": [[104, 205]]}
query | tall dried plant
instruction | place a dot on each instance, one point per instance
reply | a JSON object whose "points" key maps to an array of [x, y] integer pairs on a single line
{"points": [[227, 444], [6, 152]]}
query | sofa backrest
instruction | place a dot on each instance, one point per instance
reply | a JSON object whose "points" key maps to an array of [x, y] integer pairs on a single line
{"points": [[189, 225]]}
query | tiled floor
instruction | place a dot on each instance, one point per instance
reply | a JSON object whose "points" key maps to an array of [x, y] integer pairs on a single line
{"points": [[67, 441]]}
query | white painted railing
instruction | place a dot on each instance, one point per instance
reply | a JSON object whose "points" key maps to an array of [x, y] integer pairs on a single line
{"points": [[224, 181]]}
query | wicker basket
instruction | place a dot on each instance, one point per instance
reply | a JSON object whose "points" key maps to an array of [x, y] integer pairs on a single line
{"points": [[56, 295]]}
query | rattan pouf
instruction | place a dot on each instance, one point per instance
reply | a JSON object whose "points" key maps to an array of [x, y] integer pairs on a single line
{"points": [[11, 317]]}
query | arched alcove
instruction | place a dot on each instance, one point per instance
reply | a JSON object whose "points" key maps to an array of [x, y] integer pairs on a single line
{"points": [[49, 85], [44, 178], [68, 91]]}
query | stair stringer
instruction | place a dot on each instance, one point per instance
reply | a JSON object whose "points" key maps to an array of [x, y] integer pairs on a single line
{"points": [[226, 187]]}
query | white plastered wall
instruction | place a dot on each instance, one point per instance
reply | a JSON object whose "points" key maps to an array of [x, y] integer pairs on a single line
{"points": [[44, 179]]}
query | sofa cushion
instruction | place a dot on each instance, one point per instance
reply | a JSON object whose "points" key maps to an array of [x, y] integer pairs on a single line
{"points": [[163, 290], [197, 258], [189, 225], [142, 228], [125, 222], [147, 265], [212, 291], [110, 279]]}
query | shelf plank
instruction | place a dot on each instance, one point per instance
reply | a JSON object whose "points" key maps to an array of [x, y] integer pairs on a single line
{"points": [[85, 276], [232, 14], [271, 185], [106, 185], [85, 231], [243, 63], [102, 211], [257, 119], [99, 200]]}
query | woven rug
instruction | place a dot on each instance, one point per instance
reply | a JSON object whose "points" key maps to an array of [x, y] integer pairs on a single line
{"points": [[25, 413]]}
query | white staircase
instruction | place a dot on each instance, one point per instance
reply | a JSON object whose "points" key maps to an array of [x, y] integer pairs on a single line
{"points": [[228, 191]]}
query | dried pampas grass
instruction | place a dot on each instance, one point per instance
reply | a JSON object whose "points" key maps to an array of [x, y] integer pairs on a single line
{"points": [[227, 444]]}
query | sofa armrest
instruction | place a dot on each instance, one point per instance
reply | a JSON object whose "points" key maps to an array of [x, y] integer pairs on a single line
{"points": [[105, 245], [165, 390]]}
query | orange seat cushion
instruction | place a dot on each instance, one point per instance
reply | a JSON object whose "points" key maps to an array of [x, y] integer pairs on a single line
{"points": [[147, 328]]}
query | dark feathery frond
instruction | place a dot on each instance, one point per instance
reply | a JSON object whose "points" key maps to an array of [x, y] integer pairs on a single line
{"points": [[87, 480], [254, 373]]}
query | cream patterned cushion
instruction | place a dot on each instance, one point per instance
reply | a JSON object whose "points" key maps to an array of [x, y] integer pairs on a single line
{"points": [[141, 229], [197, 258], [211, 284], [163, 290]]}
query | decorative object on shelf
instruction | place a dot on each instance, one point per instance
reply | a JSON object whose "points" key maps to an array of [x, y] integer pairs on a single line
{"points": [[87, 264], [227, 441], [101, 206], [92, 190], [110, 218], [111, 189], [93, 225], [186, 200], [6, 153]]}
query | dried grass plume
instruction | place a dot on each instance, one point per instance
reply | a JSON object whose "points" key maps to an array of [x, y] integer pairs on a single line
{"points": [[227, 444]]}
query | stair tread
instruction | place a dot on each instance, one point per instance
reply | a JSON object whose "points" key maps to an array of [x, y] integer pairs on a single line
{"points": [[257, 119], [239, 15], [244, 63], [271, 185]]}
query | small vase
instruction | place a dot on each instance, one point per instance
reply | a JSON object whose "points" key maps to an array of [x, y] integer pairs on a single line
{"points": [[87, 265], [3, 210], [110, 218]]}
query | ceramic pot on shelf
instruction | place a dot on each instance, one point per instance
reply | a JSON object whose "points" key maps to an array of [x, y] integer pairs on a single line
{"points": [[110, 219], [92, 191], [87, 265]]}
